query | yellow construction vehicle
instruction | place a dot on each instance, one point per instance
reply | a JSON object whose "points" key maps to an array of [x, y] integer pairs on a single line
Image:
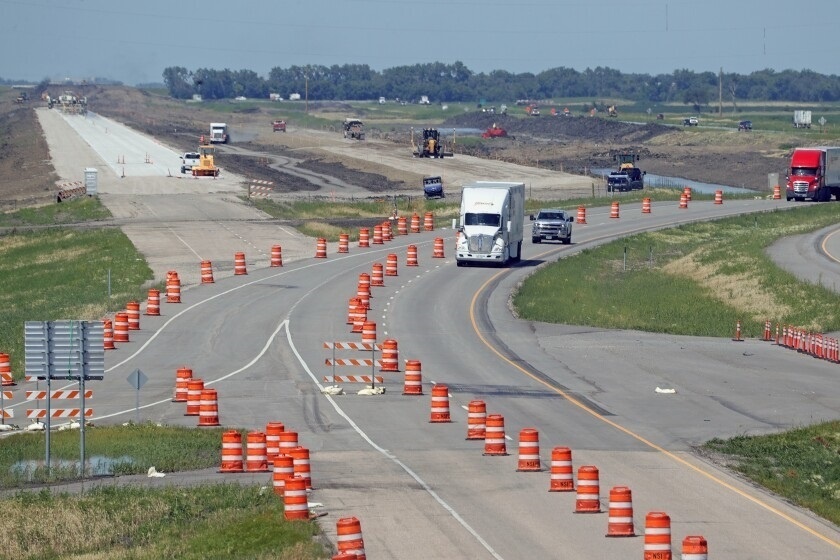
{"points": [[612, 111], [206, 162]]}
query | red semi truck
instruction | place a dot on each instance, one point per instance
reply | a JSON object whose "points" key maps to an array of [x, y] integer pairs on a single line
{"points": [[814, 173]]}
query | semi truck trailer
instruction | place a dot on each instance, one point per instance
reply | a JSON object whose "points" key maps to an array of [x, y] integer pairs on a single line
{"points": [[814, 174], [491, 223]]}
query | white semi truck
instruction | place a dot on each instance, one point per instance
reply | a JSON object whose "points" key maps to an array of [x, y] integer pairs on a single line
{"points": [[218, 133], [491, 224]]}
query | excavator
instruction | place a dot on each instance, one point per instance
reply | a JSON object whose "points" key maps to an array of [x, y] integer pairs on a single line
{"points": [[206, 161], [431, 146]]}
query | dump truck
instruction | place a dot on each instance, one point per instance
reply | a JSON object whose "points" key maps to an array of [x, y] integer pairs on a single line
{"points": [[814, 174], [218, 133], [354, 129], [279, 126], [492, 221]]}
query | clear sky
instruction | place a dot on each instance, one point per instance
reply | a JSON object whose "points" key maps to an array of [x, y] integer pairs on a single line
{"points": [[134, 41]]}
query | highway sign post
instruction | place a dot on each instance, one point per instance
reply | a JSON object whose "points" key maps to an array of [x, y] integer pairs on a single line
{"points": [[137, 379]]}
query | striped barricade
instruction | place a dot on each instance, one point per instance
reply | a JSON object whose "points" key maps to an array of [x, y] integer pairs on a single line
{"points": [[363, 362], [351, 346], [3, 412], [260, 188], [353, 379], [352, 362], [40, 413], [67, 191]]}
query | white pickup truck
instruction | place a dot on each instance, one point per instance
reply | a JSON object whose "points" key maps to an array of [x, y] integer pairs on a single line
{"points": [[188, 160]]}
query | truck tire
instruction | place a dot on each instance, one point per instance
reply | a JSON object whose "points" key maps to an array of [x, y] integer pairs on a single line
{"points": [[567, 240], [536, 239]]}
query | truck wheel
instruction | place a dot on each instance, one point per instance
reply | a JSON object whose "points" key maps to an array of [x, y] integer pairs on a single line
{"points": [[183, 170], [567, 240]]}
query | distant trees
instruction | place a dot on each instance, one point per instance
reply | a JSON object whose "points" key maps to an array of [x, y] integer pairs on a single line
{"points": [[455, 82]]}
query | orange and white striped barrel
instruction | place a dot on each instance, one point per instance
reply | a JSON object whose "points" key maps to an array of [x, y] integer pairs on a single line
{"points": [[476, 419], [683, 201], [562, 473], [440, 404], [718, 197], [411, 256], [108, 335], [207, 272], [363, 290], [364, 237], [581, 214], [529, 451], [121, 327], [387, 233], [614, 209], [320, 248], [377, 277], [239, 266], [6, 379], [343, 243], [208, 408], [153, 302], [349, 537], [402, 226], [284, 469], [194, 388], [429, 221], [369, 332], [295, 505], [288, 441], [377, 235], [777, 193], [645, 206], [272, 439], [359, 320], [620, 520], [300, 464], [231, 452], [437, 248], [391, 265], [173, 288], [657, 536], [182, 377], [695, 547], [494, 435], [351, 308], [768, 334], [390, 355], [255, 453], [588, 490], [276, 256], [415, 223], [132, 311], [687, 193], [413, 383]]}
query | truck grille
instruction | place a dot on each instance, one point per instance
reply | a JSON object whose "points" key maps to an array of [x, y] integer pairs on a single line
{"points": [[480, 243], [800, 187]]}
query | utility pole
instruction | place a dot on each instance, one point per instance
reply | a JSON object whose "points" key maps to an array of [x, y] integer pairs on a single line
{"points": [[720, 92], [306, 91]]}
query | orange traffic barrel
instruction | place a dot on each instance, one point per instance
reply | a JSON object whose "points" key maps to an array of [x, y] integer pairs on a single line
{"points": [[173, 287], [391, 265], [390, 355], [255, 453], [239, 266], [377, 276], [657, 536], [429, 221], [284, 469], [359, 320], [687, 193], [437, 250], [377, 235], [231, 452], [6, 370], [529, 451], [295, 504], [413, 384], [476, 419], [369, 332], [588, 490], [562, 475], [718, 197], [132, 311], [182, 377], [777, 193], [272, 439], [121, 327], [363, 289], [207, 272], [402, 226], [349, 537], [320, 248], [581, 214], [364, 237], [614, 211], [620, 520], [351, 308], [300, 464], [194, 388], [107, 336], [440, 404], [494, 436], [276, 256], [415, 223], [683, 201], [695, 547], [386, 231], [153, 302], [343, 243], [645, 206], [411, 256], [208, 408], [288, 441]]}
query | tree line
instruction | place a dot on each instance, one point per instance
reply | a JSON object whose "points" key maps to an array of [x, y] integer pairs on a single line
{"points": [[457, 83]]}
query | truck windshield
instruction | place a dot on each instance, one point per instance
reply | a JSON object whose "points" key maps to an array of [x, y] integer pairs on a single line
{"points": [[474, 219], [803, 171], [550, 216]]}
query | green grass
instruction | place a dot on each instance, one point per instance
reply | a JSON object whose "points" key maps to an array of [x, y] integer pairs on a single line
{"points": [[73, 211], [803, 465], [697, 279]]}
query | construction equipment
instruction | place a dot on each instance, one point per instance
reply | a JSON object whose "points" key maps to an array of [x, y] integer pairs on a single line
{"points": [[431, 146], [628, 177], [22, 98], [494, 131], [279, 126], [206, 162], [612, 111], [354, 129], [218, 133]]}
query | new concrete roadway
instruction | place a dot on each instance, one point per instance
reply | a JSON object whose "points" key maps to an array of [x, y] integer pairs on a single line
{"points": [[419, 488]]}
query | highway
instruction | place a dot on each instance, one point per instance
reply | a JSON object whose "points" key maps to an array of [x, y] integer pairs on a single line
{"points": [[420, 489]]}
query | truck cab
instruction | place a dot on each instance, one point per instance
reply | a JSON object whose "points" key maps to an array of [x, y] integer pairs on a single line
{"points": [[433, 187], [218, 133], [491, 223], [189, 160]]}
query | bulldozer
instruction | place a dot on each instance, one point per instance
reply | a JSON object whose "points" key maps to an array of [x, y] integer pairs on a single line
{"points": [[206, 162], [431, 146]]}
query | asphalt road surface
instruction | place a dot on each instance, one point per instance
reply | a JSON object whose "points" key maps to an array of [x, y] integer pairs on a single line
{"points": [[419, 488]]}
